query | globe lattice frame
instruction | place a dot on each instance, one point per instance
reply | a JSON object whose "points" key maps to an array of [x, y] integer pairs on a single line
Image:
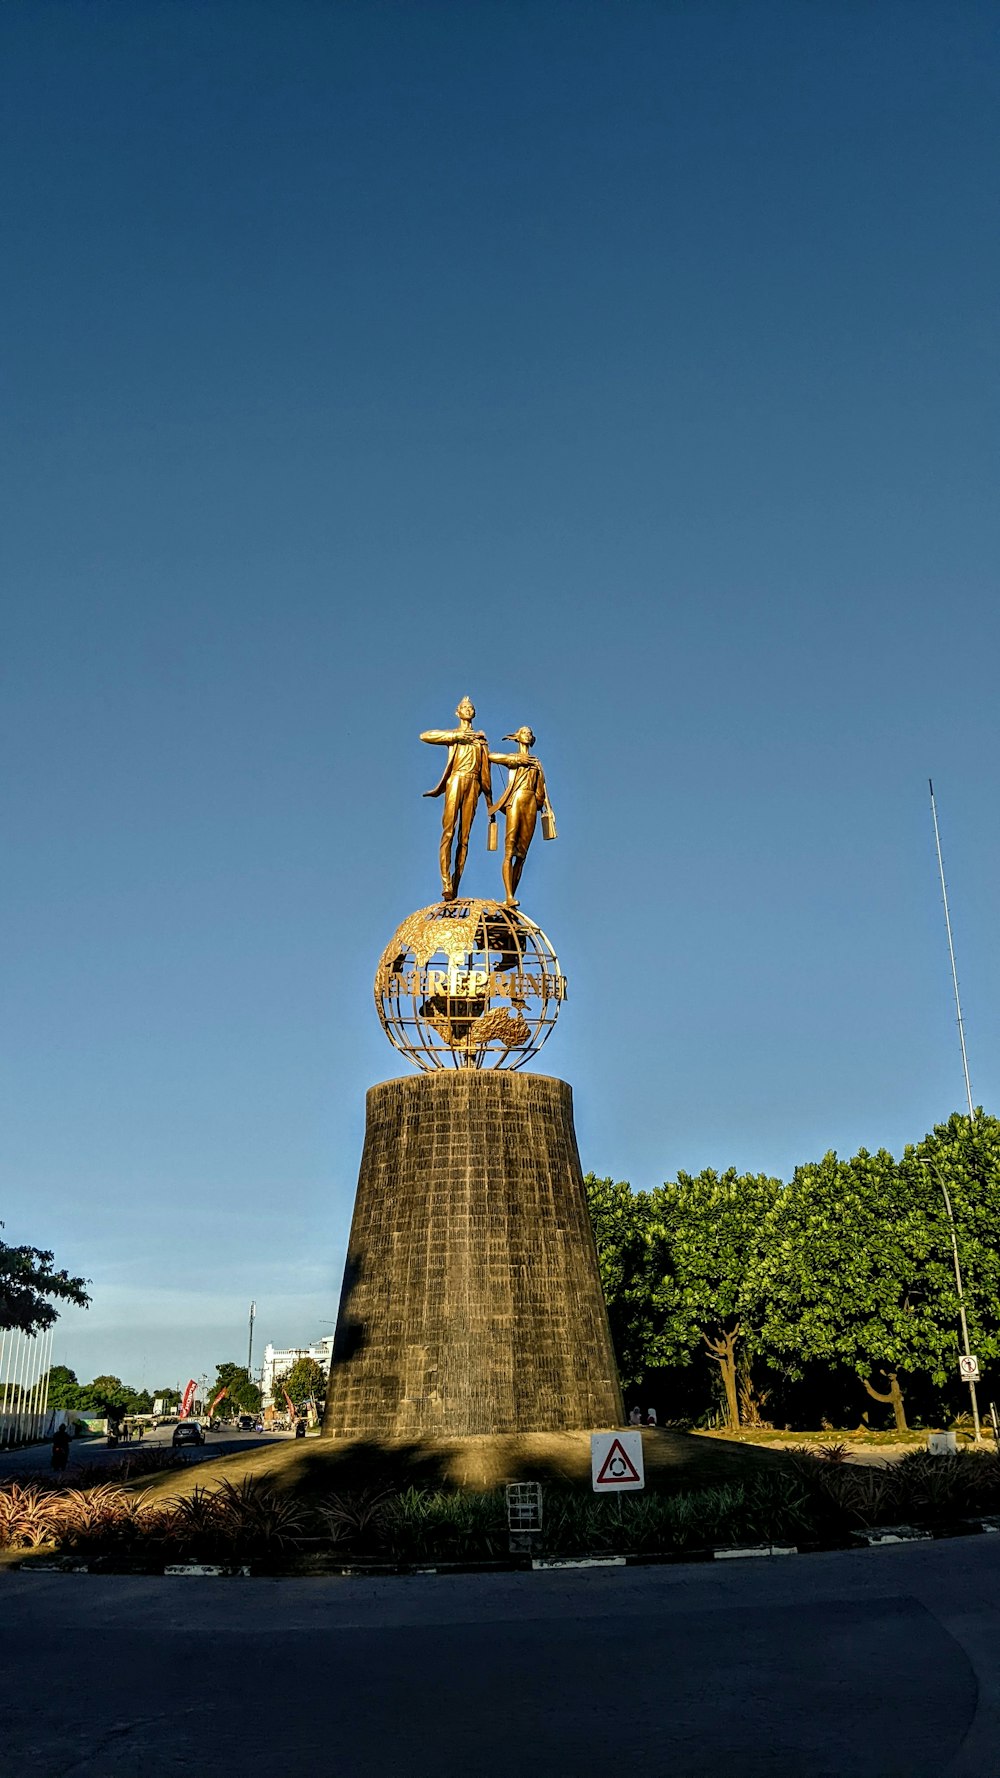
{"points": [[468, 984]]}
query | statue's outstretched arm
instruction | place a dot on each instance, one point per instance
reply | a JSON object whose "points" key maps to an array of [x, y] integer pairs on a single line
{"points": [[441, 737]]}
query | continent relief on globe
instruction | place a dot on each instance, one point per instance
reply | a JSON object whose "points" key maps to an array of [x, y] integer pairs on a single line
{"points": [[456, 931], [438, 928]]}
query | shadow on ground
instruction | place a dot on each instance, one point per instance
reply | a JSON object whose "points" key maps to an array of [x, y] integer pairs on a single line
{"points": [[674, 1461]]}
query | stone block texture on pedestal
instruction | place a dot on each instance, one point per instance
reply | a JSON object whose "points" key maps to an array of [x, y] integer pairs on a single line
{"points": [[472, 1301]]}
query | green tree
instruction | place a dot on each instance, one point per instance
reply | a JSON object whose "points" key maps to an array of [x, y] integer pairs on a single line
{"points": [[306, 1381], [104, 1394], [27, 1278], [707, 1236], [110, 1396], [169, 1397], [963, 1157], [622, 1222], [859, 1271], [244, 1394], [64, 1390]]}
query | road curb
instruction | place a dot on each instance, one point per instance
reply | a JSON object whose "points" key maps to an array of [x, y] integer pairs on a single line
{"points": [[538, 1562], [757, 1549], [882, 1534], [875, 1537], [206, 1568]]}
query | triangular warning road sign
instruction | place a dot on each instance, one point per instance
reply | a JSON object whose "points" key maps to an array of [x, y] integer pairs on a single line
{"points": [[617, 1467]]}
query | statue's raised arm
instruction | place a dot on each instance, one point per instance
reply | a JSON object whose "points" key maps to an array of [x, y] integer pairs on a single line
{"points": [[466, 776]]}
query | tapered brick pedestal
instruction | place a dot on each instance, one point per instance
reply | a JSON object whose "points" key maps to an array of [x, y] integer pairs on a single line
{"points": [[472, 1301]]}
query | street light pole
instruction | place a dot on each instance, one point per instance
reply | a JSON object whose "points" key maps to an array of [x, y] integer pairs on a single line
{"points": [[253, 1311]]}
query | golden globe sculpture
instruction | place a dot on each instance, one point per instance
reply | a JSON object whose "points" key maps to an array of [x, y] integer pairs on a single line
{"points": [[468, 984]]}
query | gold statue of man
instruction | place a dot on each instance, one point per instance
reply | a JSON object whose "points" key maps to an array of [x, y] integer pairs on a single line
{"points": [[524, 796], [465, 776]]}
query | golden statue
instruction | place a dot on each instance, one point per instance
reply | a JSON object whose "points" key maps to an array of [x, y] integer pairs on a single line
{"points": [[524, 796], [465, 776]]}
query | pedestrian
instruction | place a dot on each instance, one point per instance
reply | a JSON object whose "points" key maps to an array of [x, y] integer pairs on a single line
{"points": [[300, 1429], [635, 1417], [651, 1419], [60, 1448], [141, 1431]]}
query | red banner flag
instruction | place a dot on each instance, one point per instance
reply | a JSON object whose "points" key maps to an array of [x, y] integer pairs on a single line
{"points": [[291, 1405], [187, 1402], [216, 1400]]}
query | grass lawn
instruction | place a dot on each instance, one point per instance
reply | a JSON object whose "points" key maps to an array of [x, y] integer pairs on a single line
{"points": [[860, 1439], [674, 1461]]}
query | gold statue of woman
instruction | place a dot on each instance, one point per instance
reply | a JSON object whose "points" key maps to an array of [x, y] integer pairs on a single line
{"points": [[524, 796]]}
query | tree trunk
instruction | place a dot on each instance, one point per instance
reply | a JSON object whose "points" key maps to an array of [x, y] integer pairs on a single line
{"points": [[893, 1395], [723, 1350]]}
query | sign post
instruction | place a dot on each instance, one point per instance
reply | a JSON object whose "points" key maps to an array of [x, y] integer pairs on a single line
{"points": [[616, 1465]]}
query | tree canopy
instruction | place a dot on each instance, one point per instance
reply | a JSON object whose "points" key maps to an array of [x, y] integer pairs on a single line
{"points": [[28, 1278], [64, 1390], [109, 1395], [243, 1393], [708, 1238], [856, 1274], [306, 1381], [847, 1269], [622, 1221]]}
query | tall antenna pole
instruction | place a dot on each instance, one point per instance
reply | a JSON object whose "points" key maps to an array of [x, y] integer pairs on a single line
{"points": [[253, 1311], [951, 953]]}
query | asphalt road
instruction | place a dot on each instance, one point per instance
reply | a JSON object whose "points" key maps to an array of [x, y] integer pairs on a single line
{"points": [[874, 1664], [97, 1450]]}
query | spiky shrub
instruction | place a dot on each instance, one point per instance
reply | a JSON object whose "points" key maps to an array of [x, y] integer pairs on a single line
{"points": [[766, 1509], [356, 1523], [948, 1486], [234, 1521], [27, 1518], [107, 1520], [437, 1523], [259, 1520], [859, 1494], [195, 1525]]}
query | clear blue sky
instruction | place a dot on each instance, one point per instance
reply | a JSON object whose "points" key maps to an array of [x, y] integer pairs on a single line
{"points": [[630, 367]]}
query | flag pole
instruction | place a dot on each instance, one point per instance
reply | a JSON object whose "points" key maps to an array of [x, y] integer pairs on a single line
{"points": [[951, 954], [972, 1109]]}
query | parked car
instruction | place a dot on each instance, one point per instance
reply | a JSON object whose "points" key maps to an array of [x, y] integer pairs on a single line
{"points": [[188, 1432]]}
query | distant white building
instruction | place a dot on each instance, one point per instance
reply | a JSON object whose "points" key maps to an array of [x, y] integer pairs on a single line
{"points": [[278, 1361]]}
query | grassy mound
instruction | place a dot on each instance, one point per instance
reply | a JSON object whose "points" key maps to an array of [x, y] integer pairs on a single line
{"points": [[674, 1461]]}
